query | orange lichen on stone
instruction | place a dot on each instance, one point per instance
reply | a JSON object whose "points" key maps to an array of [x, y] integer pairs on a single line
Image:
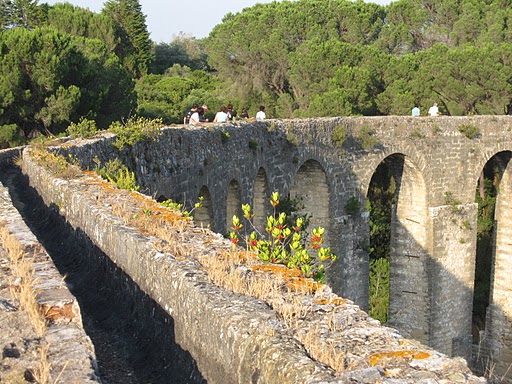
{"points": [[59, 313], [303, 285], [415, 355], [241, 256], [331, 301], [278, 269]]}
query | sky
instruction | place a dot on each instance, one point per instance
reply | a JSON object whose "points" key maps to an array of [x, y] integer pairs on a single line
{"points": [[167, 18]]}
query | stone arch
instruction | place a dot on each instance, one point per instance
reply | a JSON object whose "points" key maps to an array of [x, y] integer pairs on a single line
{"points": [[261, 205], [409, 295], [203, 216], [310, 188], [233, 203], [498, 327]]}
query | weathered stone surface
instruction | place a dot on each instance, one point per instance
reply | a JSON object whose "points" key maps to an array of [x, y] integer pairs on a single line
{"points": [[228, 334]]}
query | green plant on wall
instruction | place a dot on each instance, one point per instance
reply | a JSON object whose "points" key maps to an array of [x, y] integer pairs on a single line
{"points": [[286, 244], [366, 138], [118, 174], [135, 129], [469, 130], [339, 136], [352, 206]]}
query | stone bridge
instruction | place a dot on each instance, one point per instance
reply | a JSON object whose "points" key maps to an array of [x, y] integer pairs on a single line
{"points": [[329, 165]]}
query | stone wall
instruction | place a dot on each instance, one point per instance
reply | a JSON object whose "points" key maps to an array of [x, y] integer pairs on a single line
{"points": [[434, 260], [235, 338]]}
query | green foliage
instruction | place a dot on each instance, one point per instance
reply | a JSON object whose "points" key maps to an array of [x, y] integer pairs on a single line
{"points": [[379, 289], [134, 48], [253, 144], [453, 202], [224, 136], [135, 129], [84, 129], [352, 207], [169, 203], [339, 136], [118, 174], [469, 130], [9, 136], [282, 243], [365, 138], [49, 79]]}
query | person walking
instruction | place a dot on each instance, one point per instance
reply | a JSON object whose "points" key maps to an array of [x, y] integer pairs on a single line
{"points": [[260, 116], [415, 111], [433, 110]]}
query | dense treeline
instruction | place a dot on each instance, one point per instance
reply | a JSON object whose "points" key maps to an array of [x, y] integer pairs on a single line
{"points": [[302, 58]]}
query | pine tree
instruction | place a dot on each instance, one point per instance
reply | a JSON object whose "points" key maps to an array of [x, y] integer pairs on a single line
{"points": [[134, 47]]}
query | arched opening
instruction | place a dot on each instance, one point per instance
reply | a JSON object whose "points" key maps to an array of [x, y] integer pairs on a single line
{"points": [[233, 204], [309, 196], [381, 199], [398, 217], [261, 201], [494, 212], [203, 216]]}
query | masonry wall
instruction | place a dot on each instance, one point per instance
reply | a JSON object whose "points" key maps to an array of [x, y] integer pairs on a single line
{"points": [[439, 156]]}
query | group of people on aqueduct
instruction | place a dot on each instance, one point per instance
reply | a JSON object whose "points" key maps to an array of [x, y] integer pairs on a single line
{"points": [[195, 115]]}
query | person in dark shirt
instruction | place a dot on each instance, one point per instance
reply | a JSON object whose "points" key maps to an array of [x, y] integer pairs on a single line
{"points": [[190, 112], [231, 113], [245, 113]]}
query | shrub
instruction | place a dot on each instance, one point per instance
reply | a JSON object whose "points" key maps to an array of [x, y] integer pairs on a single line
{"points": [[253, 144], [84, 129], [136, 129], [469, 130], [339, 136], [365, 138], [281, 243], [119, 175], [352, 207]]}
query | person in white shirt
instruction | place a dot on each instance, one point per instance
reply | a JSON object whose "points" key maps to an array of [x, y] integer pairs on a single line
{"points": [[195, 119], [222, 116], [260, 116], [433, 110]]}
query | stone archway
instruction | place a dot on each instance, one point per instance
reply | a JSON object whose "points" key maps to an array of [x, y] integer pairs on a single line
{"points": [[261, 204], [409, 294], [311, 191], [233, 204], [203, 216]]}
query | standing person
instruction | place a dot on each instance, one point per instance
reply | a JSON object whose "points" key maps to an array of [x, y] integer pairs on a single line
{"points": [[222, 116], [202, 119], [196, 116], [260, 116], [415, 111], [433, 110], [231, 113], [186, 118]]}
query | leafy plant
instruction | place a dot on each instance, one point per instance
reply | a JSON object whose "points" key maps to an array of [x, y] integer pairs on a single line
{"points": [[84, 129], [469, 130], [119, 175], [365, 138], [352, 207], [339, 136], [282, 243], [180, 207], [253, 144], [379, 289], [136, 129], [224, 136]]}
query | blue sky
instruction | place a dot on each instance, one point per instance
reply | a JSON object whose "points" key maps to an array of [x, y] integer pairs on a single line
{"points": [[166, 18]]}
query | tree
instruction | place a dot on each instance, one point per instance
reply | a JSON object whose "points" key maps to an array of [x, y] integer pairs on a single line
{"points": [[20, 13], [48, 79], [134, 47]]}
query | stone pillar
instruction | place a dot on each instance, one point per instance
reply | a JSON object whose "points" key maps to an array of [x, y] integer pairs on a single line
{"points": [[451, 275], [498, 325], [409, 300]]}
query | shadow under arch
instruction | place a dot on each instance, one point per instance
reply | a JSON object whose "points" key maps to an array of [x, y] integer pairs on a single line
{"points": [[311, 190], [409, 294], [496, 340], [261, 200], [233, 203], [203, 216]]}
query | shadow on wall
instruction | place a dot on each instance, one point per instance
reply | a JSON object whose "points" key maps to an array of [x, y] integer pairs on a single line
{"points": [[132, 335]]}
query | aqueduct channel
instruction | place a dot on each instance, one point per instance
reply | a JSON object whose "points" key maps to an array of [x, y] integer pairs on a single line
{"points": [[329, 164]]}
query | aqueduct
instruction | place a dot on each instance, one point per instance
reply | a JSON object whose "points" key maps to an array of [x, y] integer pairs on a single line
{"points": [[329, 164]]}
